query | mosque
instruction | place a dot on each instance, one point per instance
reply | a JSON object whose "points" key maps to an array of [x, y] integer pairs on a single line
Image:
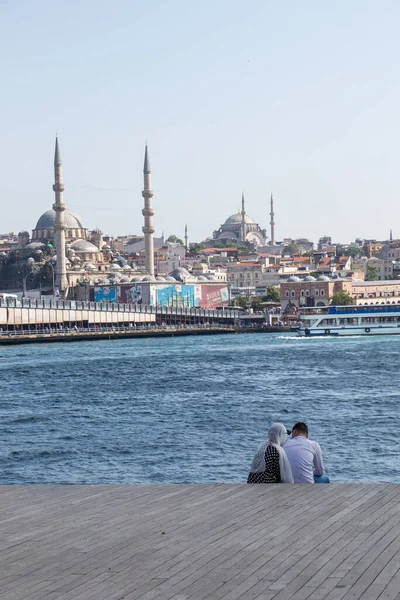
{"points": [[85, 269], [241, 228]]}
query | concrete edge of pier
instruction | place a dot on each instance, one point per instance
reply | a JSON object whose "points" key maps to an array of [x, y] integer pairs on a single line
{"points": [[77, 336], [200, 541]]}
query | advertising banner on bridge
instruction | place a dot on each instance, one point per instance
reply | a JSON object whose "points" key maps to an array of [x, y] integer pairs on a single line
{"points": [[213, 295], [106, 293]]}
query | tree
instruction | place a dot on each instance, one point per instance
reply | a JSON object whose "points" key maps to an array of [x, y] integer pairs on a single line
{"points": [[341, 298], [173, 239], [241, 301], [273, 294], [354, 251], [372, 274], [196, 248]]}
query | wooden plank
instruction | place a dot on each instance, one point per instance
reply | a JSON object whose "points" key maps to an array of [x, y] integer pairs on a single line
{"points": [[221, 541]]}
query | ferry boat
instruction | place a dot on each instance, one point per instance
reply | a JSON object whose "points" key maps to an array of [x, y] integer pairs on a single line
{"points": [[349, 320]]}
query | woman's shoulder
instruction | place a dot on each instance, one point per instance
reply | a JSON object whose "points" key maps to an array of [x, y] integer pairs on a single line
{"points": [[272, 451]]}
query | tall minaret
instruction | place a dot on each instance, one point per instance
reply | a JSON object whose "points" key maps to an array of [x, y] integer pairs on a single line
{"points": [[186, 239], [148, 213], [272, 222], [391, 236], [243, 226], [59, 223]]}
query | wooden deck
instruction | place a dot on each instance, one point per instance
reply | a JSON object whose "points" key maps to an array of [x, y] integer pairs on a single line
{"points": [[181, 542]]}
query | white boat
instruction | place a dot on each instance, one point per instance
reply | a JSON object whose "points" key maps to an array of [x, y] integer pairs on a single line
{"points": [[349, 320]]}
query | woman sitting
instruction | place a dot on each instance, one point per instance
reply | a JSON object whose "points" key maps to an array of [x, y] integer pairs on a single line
{"points": [[270, 464]]}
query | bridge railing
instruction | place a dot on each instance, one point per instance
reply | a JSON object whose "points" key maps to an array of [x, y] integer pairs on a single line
{"points": [[80, 305]]}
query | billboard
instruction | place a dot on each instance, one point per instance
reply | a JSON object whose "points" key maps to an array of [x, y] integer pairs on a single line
{"points": [[176, 295], [132, 294], [106, 293], [213, 295]]}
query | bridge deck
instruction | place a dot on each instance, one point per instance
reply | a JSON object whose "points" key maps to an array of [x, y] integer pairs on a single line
{"points": [[192, 542]]}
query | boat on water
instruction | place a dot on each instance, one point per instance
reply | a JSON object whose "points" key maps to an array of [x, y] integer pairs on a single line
{"points": [[349, 320]]}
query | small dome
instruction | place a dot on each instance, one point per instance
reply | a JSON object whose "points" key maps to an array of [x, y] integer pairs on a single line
{"points": [[124, 280], [180, 274], [84, 246], [237, 218], [293, 279], [115, 267], [35, 245], [211, 277], [160, 278], [309, 278], [323, 278], [137, 278], [90, 267], [170, 278], [47, 219], [149, 278], [202, 278]]}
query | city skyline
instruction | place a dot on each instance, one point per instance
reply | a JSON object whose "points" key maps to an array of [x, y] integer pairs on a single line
{"points": [[300, 102]]}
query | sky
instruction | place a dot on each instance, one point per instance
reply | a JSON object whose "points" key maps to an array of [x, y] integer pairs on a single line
{"points": [[297, 97]]}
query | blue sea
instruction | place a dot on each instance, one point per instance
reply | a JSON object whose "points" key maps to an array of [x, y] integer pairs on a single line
{"points": [[194, 409]]}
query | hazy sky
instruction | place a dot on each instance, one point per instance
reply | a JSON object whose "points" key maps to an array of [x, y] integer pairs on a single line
{"points": [[298, 97]]}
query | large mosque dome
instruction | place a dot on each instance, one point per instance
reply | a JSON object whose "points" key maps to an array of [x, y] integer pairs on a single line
{"points": [[237, 218], [239, 227], [48, 218], [45, 226]]}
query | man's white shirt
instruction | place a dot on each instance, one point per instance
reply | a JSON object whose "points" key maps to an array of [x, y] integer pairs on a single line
{"points": [[305, 459]]}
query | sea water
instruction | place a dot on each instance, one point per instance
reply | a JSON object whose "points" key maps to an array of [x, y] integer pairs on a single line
{"points": [[194, 409]]}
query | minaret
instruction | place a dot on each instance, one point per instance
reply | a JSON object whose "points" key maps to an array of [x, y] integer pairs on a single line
{"points": [[272, 222], [186, 239], [148, 213], [243, 227], [59, 223], [391, 236]]}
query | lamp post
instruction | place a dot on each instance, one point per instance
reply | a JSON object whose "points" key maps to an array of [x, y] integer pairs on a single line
{"points": [[30, 262]]}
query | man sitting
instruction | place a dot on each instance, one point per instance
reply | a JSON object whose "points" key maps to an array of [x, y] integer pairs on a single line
{"points": [[305, 457]]}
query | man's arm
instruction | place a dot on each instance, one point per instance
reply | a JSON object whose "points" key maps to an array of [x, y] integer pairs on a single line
{"points": [[318, 462]]}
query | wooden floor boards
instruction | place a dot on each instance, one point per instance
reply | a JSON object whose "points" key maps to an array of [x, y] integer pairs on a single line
{"points": [[192, 542]]}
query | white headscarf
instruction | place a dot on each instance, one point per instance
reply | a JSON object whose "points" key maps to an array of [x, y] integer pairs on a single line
{"points": [[277, 436]]}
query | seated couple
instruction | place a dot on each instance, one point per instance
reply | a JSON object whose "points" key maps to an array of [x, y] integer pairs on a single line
{"points": [[283, 460]]}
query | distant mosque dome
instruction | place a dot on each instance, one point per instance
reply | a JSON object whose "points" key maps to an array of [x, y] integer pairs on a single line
{"points": [[237, 230], [323, 278], [149, 278], [309, 278], [293, 279], [237, 218]]}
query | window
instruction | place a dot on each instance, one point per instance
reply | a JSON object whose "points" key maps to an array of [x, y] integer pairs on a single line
{"points": [[287, 293], [317, 292], [322, 293], [302, 293], [293, 293], [307, 292]]}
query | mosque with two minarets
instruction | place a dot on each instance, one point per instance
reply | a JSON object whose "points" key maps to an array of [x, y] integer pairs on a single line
{"points": [[81, 256]]}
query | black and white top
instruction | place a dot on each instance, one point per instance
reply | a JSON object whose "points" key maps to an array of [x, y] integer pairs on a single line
{"points": [[272, 473]]}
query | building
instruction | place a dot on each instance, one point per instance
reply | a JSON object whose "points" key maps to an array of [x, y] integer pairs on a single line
{"points": [[240, 228], [376, 292], [311, 291]]}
